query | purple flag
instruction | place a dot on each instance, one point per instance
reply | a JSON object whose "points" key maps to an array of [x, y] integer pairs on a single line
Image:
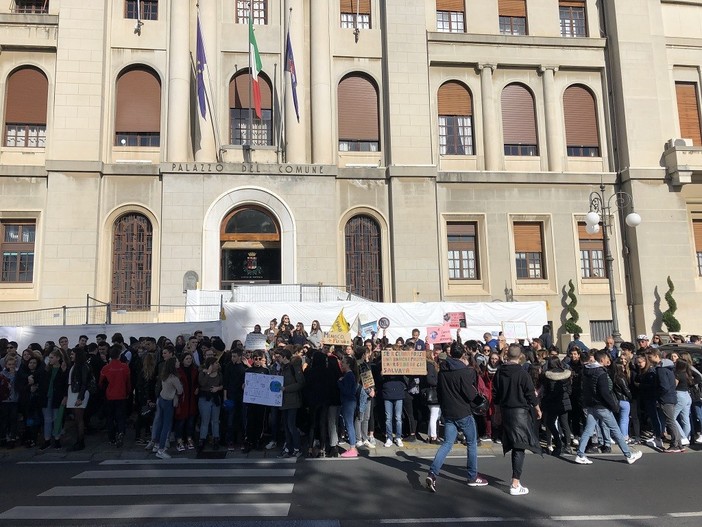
{"points": [[199, 71], [290, 66]]}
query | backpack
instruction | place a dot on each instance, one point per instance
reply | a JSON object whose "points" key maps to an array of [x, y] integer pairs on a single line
{"points": [[5, 388]]}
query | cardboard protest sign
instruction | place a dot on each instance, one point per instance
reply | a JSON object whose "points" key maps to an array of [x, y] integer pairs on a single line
{"points": [[404, 362], [515, 330], [438, 334], [266, 390], [255, 341], [333, 338], [367, 379], [455, 319]]}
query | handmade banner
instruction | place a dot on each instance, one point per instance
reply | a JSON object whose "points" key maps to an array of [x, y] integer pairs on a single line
{"points": [[266, 390], [255, 341], [404, 362], [455, 319], [439, 334], [368, 329], [367, 379], [335, 338], [515, 330]]}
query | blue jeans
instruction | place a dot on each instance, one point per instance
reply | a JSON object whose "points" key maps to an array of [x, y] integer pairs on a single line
{"points": [[606, 419], [697, 409], [49, 418], [292, 434], [348, 409], [163, 421], [682, 411], [451, 428], [624, 411], [209, 414], [393, 409]]}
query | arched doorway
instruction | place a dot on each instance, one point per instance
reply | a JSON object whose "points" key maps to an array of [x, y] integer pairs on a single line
{"points": [[132, 248], [250, 247], [364, 274]]}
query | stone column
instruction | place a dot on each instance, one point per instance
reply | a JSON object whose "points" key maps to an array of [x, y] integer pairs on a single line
{"points": [[295, 135], [491, 138], [178, 82], [554, 129], [321, 92], [206, 151]]}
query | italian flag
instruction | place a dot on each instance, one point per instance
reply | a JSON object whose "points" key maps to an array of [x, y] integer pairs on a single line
{"points": [[255, 65]]}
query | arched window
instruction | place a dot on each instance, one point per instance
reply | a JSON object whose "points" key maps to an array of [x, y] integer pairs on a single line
{"points": [[580, 113], [455, 119], [132, 244], [363, 259], [25, 108], [138, 108], [250, 245], [239, 123], [359, 126], [519, 121]]}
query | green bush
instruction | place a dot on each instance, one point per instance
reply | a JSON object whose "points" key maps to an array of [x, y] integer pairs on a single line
{"points": [[571, 323], [671, 323]]}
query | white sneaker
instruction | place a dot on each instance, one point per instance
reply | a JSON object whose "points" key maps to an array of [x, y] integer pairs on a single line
{"points": [[635, 454], [368, 444], [684, 441], [582, 460], [399, 443], [155, 449], [359, 444], [162, 454], [149, 445], [575, 442], [271, 445], [388, 443], [518, 491]]}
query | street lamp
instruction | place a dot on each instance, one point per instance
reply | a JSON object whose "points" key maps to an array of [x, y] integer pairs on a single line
{"points": [[600, 210]]}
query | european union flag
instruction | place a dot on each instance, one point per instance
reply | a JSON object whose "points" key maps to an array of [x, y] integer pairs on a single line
{"points": [[290, 66], [199, 70]]}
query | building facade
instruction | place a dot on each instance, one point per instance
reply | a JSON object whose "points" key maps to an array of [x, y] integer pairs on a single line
{"points": [[444, 149]]}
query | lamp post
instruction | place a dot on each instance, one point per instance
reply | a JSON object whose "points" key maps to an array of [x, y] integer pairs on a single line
{"points": [[600, 210]]}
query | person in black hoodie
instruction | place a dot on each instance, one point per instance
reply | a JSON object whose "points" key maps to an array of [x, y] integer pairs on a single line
{"points": [[255, 413], [600, 403], [314, 395], [513, 390], [234, 373], [665, 392], [456, 390]]}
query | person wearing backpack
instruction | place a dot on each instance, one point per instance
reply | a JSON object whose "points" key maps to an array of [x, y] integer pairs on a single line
{"points": [[456, 390]]}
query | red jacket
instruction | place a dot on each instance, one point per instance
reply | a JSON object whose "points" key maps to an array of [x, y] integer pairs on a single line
{"points": [[117, 377]]}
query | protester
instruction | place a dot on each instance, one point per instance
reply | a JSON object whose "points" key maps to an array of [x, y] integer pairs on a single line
{"points": [[115, 379]]}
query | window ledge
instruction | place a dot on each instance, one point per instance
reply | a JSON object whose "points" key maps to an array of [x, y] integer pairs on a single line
{"points": [[247, 147], [5, 286], [23, 149]]}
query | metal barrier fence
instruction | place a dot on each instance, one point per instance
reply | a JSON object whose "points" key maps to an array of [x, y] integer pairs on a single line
{"points": [[292, 293]]}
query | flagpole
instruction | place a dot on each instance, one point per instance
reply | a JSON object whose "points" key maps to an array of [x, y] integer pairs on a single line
{"points": [[284, 119], [210, 103], [249, 135]]}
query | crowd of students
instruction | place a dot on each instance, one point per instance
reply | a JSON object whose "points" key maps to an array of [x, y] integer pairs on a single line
{"points": [[180, 393]]}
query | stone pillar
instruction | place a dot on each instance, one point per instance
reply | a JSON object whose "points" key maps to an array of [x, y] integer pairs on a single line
{"points": [[491, 138], [554, 129], [206, 151], [295, 133], [178, 82], [320, 72]]}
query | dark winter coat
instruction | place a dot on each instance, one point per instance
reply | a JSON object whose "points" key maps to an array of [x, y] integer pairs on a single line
{"points": [[513, 390], [557, 389], [597, 388], [665, 382], [187, 407], [293, 382], [60, 387], [456, 388]]}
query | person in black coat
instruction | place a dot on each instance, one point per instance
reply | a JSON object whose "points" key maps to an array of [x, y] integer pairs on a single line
{"points": [[314, 395], [255, 413], [233, 382], [53, 388], [513, 391], [555, 402]]}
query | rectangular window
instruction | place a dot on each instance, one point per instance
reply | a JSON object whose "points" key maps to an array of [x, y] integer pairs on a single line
{"points": [[355, 13], [592, 260], [259, 11], [358, 146], [450, 22], [521, 150], [513, 17], [600, 330], [529, 250], [18, 251], [688, 111], [31, 6], [455, 135], [141, 9], [261, 129], [25, 135], [697, 232], [572, 15], [152, 139], [462, 247]]}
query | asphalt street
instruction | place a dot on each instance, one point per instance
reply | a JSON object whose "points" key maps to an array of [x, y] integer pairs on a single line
{"points": [[131, 487]]}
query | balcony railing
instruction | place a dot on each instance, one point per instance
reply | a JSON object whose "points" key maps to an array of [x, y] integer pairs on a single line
{"points": [[30, 7]]}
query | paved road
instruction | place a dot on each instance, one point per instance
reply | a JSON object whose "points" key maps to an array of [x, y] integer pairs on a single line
{"points": [[132, 488]]}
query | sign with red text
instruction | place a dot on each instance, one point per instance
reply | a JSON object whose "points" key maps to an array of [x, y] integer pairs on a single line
{"points": [[439, 334], [456, 319]]}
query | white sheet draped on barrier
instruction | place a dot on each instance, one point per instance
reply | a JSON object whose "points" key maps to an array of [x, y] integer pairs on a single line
{"points": [[25, 335], [480, 317]]}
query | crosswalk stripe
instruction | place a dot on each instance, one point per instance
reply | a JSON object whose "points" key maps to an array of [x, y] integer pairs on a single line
{"points": [[188, 489], [166, 510], [187, 473], [192, 461]]}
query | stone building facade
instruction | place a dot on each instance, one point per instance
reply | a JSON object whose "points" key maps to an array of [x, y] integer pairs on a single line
{"points": [[445, 149]]}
